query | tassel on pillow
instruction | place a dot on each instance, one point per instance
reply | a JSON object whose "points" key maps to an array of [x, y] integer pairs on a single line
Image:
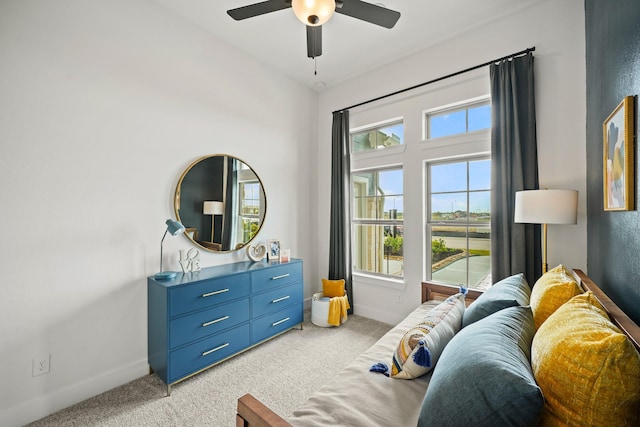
{"points": [[381, 368]]}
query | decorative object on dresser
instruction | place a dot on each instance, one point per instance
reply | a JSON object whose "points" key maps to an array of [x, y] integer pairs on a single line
{"points": [[190, 260], [174, 228], [618, 154], [546, 207], [256, 253], [200, 319], [273, 250]]}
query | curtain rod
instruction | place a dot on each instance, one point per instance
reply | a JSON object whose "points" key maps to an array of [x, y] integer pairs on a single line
{"points": [[513, 55]]}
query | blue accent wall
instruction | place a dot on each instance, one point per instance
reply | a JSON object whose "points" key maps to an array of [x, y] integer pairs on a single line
{"points": [[613, 72]]}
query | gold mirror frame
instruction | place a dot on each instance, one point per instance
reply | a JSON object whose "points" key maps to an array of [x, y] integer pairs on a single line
{"points": [[230, 219]]}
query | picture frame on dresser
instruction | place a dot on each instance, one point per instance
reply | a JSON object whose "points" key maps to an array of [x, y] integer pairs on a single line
{"points": [[618, 157], [273, 250]]}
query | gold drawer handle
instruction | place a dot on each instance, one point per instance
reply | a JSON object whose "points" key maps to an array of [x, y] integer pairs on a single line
{"points": [[280, 321], [221, 291], [281, 276], [215, 321], [220, 347], [280, 299]]}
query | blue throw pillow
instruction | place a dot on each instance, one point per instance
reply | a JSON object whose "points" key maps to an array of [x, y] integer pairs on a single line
{"points": [[484, 376], [508, 292]]}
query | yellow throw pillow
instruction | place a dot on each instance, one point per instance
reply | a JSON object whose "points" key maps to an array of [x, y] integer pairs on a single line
{"points": [[553, 289], [333, 288], [588, 370]]}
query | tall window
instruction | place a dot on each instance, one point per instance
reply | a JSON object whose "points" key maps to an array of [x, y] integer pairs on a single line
{"points": [[377, 224], [458, 223]]}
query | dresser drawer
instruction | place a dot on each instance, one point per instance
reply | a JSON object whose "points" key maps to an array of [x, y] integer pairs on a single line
{"points": [[183, 299], [276, 299], [274, 323], [198, 325], [194, 357], [281, 275]]}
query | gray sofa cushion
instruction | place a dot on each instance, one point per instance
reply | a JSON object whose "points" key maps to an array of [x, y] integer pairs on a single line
{"points": [[508, 292], [484, 377]]}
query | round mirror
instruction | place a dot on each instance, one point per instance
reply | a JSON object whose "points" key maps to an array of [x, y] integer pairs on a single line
{"points": [[221, 202]]}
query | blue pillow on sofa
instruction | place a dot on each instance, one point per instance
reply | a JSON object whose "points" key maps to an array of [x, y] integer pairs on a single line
{"points": [[484, 376], [508, 292]]}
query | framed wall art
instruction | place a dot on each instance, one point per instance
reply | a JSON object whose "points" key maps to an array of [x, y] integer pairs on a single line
{"points": [[618, 156]]}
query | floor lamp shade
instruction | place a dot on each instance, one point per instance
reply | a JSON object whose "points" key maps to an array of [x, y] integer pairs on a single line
{"points": [[546, 207], [213, 208]]}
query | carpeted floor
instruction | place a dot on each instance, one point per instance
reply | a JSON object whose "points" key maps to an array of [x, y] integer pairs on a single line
{"points": [[281, 373]]}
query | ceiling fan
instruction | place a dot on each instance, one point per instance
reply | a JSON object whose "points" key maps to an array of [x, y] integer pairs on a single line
{"points": [[314, 13]]}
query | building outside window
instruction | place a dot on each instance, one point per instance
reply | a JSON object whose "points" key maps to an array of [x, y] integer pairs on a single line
{"points": [[377, 225], [378, 138]]}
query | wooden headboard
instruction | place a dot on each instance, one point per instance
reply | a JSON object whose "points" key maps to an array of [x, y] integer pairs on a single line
{"points": [[617, 316]]}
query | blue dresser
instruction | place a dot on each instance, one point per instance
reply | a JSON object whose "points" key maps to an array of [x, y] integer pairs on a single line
{"points": [[200, 319]]}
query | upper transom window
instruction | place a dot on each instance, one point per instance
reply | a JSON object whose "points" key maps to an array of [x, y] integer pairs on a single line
{"points": [[378, 138], [457, 121]]}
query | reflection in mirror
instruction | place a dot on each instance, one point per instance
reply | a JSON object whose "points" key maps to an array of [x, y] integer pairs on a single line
{"points": [[221, 202]]}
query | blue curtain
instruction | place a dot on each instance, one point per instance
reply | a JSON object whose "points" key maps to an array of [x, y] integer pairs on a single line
{"points": [[515, 248], [340, 226]]}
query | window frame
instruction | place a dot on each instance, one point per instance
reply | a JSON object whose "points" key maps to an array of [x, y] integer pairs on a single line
{"points": [[430, 224], [382, 222], [465, 105]]}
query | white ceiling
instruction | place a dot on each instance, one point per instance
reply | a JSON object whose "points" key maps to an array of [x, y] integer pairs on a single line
{"points": [[349, 46]]}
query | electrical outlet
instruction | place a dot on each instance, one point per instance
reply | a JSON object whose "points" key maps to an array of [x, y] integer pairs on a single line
{"points": [[399, 298], [41, 365]]}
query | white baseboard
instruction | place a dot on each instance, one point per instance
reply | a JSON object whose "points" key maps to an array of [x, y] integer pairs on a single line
{"points": [[376, 314], [41, 406]]}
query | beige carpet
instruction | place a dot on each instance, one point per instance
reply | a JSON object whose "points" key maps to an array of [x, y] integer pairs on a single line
{"points": [[282, 373]]}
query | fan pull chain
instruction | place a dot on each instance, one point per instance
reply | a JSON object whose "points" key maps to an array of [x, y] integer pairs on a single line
{"points": [[315, 66]]}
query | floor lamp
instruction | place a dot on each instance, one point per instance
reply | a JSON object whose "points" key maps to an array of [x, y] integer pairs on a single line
{"points": [[546, 207], [213, 208]]}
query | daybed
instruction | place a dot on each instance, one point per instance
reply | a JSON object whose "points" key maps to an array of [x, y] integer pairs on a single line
{"points": [[516, 377]]}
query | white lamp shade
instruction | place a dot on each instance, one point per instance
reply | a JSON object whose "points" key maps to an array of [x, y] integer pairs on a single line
{"points": [[546, 207], [213, 208], [313, 12]]}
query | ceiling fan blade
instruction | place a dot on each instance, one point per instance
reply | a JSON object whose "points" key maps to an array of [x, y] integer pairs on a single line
{"points": [[257, 9], [314, 41], [368, 12]]}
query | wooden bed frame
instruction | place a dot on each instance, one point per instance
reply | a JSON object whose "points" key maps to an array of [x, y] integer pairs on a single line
{"points": [[252, 413]]}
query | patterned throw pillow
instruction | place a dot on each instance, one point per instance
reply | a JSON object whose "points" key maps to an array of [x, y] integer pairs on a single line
{"points": [[550, 291], [588, 370], [421, 346]]}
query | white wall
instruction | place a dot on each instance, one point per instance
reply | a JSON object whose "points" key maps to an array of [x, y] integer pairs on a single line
{"points": [[556, 29], [103, 104]]}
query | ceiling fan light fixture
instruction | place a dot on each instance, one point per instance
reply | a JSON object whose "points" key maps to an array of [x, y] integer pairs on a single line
{"points": [[313, 12]]}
